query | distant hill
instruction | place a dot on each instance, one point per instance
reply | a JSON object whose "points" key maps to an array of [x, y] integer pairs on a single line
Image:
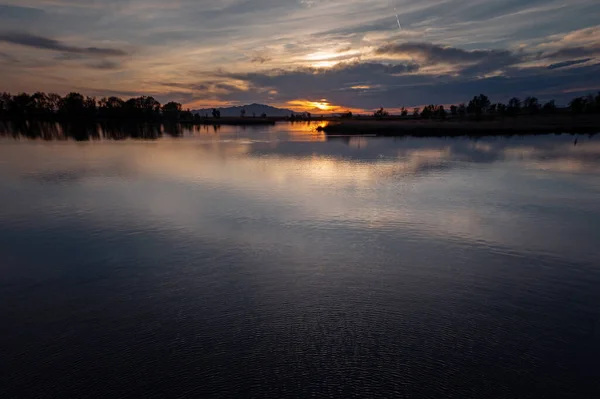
{"points": [[257, 109]]}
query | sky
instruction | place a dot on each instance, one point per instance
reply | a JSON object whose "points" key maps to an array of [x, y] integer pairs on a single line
{"points": [[315, 55]]}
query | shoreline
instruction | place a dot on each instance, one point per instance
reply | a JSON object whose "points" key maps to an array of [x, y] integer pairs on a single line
{"points": [[506, 126]]}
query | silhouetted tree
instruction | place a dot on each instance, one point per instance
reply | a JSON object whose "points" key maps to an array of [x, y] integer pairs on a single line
{"points": [[5, 101], [21, 105], [72, 106], [479, 105], [381, 113], [531, 105], [243, 112], [186, 116], [90, 107], [501, 109], [142, 108], [132, 108], [171, 110], [151, 107], [514, 106], [549, 107], [111, 107], [216, 113], [453, 110], [440, 112], [403, 112], [433, 111], [585, 104], [40, 105], [578, 105], [428, 111], [54, 102], [416, 111], [590, 104], [462, 110], [346, 115]]}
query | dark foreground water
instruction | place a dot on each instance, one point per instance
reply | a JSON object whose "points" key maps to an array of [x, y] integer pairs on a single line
{"points": [[273, 262]]}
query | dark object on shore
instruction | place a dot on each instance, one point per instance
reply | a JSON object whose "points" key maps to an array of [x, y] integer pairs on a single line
{"points": [[529, 125]]}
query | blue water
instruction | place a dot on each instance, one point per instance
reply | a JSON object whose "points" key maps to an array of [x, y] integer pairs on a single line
{"points": [[277, 262]]}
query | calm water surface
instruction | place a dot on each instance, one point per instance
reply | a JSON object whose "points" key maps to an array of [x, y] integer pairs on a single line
{"points": [[274, 262]]}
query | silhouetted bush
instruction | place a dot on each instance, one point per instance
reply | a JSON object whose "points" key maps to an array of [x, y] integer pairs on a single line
{"points": [[381, 113], [479, 105]]}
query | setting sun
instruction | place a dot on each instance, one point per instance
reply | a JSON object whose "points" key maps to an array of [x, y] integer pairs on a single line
{"points": [[321, 105], [306, 105]]}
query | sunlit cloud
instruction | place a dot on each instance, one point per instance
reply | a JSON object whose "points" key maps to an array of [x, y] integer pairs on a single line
{"points": [[306, 105]]}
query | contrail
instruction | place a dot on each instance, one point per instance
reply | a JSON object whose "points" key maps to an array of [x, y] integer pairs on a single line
{"points": [[397, 19]]}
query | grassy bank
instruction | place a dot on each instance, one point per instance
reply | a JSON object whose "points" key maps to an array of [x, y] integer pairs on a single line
{"points": [[505, 126]]}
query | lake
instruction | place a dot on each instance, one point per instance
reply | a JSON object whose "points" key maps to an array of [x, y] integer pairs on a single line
{"points": [[278, 262]]}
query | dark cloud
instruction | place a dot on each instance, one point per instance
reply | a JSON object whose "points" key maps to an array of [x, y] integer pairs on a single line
{"points": [[20, 13], [433, 54], [178, 85], [226, 87], [260, 59], [400, 68], [105, 65], [546, 84], [467, 62], [479, 62], [359, 70], [568, 63], [44, 43], [320, 82], [575, 52], [379, 25], [199, 87], [403, 85]]}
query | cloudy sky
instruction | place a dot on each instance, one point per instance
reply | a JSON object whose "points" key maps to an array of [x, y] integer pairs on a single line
{"points": [[302, 54]]}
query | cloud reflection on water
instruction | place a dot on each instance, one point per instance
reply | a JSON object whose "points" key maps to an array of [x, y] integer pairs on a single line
{"points": [[434, 188]]}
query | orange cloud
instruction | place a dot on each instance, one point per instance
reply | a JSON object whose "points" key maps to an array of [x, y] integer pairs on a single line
{"points": [[321, 106]]}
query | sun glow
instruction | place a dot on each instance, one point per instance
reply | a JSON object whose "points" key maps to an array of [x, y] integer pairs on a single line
{"points": [[324, 106], [321, 106], [324, 64], [320, 56], [306, 105]]}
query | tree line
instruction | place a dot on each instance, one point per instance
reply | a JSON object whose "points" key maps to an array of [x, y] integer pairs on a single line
{"points": [[481, 105], [75, 106]]}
